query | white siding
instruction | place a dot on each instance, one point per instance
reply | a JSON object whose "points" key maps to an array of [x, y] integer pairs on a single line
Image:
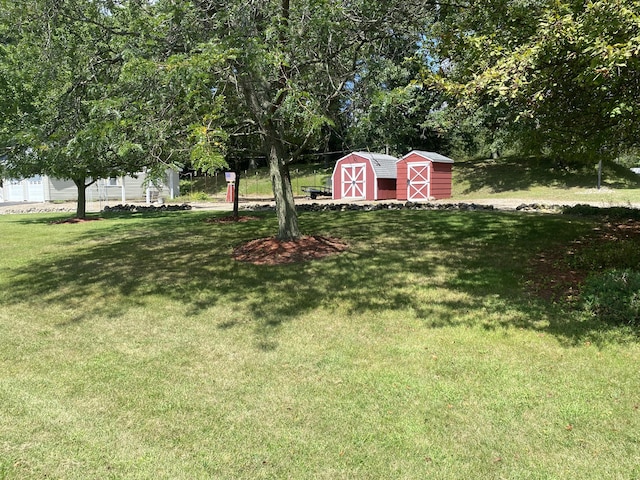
{"points": [[61, 190], [38, 189]]}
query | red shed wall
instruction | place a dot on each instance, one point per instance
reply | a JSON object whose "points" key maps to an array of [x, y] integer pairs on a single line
{"points": [[386, 189], [371, 182], [336, 180], [401, 186], [440, 180]]}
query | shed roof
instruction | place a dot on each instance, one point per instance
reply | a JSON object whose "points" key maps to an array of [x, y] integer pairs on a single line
{"points": [[384, 165], [433, 156]]}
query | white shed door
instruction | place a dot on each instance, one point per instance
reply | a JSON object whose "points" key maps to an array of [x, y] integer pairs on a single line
{"points": [[418, 181], [354, 180]]}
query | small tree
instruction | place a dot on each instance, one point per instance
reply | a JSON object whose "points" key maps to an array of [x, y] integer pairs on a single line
{"points": [[69, 124], [108, 96], [292, 67]]}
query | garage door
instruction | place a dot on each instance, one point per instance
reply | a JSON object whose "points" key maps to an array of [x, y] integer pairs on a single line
{"points": [[29, 190], [354, 181], [35, 189], [15, 190]]}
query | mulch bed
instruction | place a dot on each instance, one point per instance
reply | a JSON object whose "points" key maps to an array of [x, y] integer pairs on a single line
{"points": [[231, 219], [76, 220], [552, 276], [553, 280], [271, 251]]}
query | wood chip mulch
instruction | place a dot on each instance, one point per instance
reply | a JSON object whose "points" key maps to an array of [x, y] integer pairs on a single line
{"points": [[231, 219], [553, 278], [271, 251], [76, 220]]}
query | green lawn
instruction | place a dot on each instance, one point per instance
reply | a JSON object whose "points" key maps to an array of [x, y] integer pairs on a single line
{"points": [[543, 178], [134, 348]]}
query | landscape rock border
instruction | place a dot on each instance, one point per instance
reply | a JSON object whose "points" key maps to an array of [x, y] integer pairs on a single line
{"points": [[55, 208], [500, 204], [17, 210], [147, 208], [366, 207]]}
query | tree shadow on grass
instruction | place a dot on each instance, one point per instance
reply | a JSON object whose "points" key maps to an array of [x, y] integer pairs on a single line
{"points": [[522, 173], [446, 268]]}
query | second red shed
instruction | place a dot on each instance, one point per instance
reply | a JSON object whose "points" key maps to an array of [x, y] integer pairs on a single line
{"points": [[424, 176], [364, 176]]}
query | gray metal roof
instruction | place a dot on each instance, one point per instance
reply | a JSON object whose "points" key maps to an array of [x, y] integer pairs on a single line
{"points": [[384, 165], [433, 156]]}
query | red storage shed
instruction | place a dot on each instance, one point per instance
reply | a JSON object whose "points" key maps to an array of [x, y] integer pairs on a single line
{"points": [[424, 176], [364, 176]]}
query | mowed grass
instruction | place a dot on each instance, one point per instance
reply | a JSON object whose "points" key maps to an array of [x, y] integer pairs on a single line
{"points": [[546, 179], [134, 348]]}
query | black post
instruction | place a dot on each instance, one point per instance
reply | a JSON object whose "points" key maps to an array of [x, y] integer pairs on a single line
{"points": [[236, 194], [599, 173]]}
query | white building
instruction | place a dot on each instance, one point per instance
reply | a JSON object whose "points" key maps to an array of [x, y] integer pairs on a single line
{"points": [[42, 188]]}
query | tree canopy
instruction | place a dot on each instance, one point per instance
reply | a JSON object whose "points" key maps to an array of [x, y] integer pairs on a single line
{"points": [[95, 92], [130, 85], [556, 76]]}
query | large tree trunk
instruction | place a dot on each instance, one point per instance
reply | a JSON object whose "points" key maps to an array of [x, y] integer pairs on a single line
{"points": [[288, 228], [81, 206]]}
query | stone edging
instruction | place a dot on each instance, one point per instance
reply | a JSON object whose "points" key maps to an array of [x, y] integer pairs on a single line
{"points": [[16, 210], [320, 207], [147, 208], [343, 207]]}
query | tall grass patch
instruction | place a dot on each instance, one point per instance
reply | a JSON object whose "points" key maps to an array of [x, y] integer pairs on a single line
{"points": [[614, 296]]}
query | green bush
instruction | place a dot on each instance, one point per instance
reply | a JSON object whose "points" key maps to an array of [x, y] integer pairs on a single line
{"points": [[186, 186], [614, 296], [191, 191], [198, 197]]}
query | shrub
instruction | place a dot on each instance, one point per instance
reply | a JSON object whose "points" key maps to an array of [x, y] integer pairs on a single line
{"points": [[198, 197], [614, 296], [582, 210], [186, 187]]}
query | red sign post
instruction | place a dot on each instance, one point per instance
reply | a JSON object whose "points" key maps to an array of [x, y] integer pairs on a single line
{"points": [[230, 177]]}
